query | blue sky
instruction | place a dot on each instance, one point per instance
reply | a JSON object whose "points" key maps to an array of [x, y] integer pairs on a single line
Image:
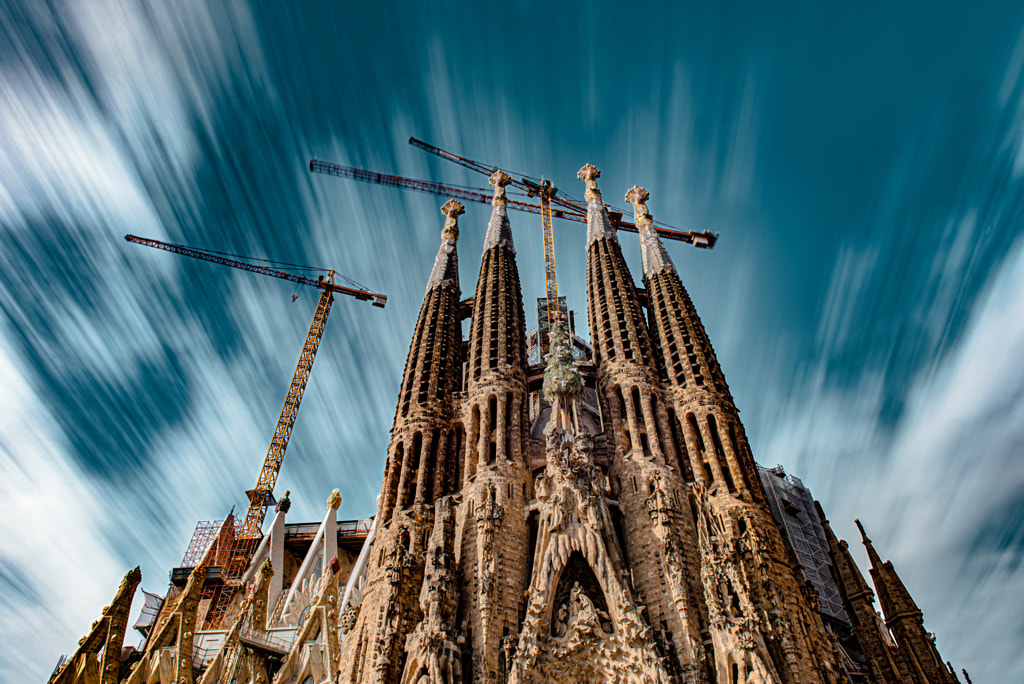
{"points": [[864, 164]]}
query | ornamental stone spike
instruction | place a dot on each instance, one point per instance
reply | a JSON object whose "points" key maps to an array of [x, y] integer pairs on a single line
{"points": [[499, 179], [655, 257], [599, 226], [638, 197], [589, 174], [499, 231], [446, 263], [452, 210], [876, 560]]}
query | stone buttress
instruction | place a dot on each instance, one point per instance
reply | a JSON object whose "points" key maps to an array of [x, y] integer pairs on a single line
{"points": [[421, 467], [492, 538], [758, 618], [654, 523]]}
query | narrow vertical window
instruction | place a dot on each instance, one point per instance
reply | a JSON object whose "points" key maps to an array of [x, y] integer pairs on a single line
{"points": [[716, 441]]}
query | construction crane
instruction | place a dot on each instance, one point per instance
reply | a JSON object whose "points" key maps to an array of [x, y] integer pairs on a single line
{"points": [[565, 208], [262, 495]]}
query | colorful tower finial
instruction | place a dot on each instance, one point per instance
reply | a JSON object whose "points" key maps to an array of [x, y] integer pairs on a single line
{"points": [[655, 256], [452, 209], [446, 263], [499, 232], [598, 224], [638, 197], [499, 179], [590, 173]]}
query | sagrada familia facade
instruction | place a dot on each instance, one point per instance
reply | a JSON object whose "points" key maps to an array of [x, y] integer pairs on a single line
{"points": [[593, 517]]}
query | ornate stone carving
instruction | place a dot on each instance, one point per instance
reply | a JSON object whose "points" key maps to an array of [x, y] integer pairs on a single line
{"points": [[499, 179], [737, 628], [581, 622], [434, 654]]}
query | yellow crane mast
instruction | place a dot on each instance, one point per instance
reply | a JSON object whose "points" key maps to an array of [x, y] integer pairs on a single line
{"points": [[250, 532]]}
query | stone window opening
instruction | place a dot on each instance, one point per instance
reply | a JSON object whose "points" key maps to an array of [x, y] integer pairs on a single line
{"points": [[623, 419], [716, 443], [393, 480], [475, 439], [409, 489], [509, 415], [679, 447], [638, 408], [429, 468]]}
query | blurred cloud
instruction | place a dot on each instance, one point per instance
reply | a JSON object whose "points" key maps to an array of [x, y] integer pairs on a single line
{"points": [[865, 297]]}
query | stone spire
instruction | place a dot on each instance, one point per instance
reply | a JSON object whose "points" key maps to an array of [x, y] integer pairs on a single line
{"points": [[686, 356], [655, 256], [499, 232], [422, 467], [906, 621], [858, 600], [431, 376], [892, 593], [706, 429], [876, 560], [598, 224], [446, 263], [493, 475], [617, 325]]}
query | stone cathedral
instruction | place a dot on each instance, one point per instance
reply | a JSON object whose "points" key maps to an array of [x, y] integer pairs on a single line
{"points": [[595, 515]]}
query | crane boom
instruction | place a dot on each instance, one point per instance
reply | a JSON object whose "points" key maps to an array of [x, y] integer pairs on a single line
{"points": [[704, 240], [378, 300], [481, 196], [526, 183], [574, 211]]}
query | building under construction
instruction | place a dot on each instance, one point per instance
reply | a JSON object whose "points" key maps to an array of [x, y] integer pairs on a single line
{"points": [[551, 510]]}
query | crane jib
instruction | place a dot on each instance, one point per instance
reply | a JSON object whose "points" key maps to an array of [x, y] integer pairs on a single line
{"points": [[568, 211]]}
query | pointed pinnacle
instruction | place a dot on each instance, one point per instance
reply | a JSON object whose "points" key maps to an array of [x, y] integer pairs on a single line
{"points": [[876, 560], [499, 179], [589, 174], [638, 197], [452, 209]]}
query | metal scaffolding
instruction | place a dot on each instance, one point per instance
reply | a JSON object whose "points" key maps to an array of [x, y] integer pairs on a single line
{"points": [[793, 509]]}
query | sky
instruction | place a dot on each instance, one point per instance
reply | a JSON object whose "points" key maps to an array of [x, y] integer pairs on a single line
{"points": [[863, 163]]}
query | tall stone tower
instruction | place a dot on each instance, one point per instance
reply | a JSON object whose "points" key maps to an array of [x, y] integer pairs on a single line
{"points": [[421, 469], [594, 517]]}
